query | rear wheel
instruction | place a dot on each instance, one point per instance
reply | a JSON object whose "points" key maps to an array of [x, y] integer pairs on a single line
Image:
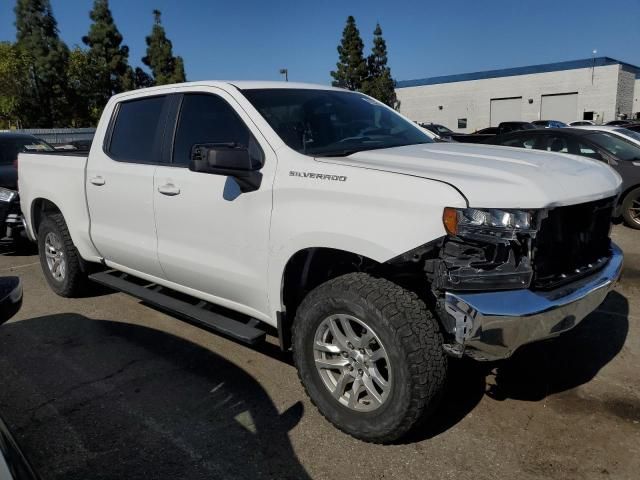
{"points": [[631, 209], [369, 355], [59, 258]]}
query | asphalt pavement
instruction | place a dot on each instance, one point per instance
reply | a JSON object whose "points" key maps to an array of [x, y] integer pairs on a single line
{"points": [[107, 387]]}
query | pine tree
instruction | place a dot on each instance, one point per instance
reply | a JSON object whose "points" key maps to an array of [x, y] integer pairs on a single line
{"points": [[351, 68], [45, 103], [379, 83], [164, 66], [107, 56], [142, 79]]}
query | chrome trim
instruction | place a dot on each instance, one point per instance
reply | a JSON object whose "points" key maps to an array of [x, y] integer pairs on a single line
{"points": [[492, 325]]}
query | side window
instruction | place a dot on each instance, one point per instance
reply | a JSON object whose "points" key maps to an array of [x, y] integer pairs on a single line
{"points": [[586, 150], [520, 141], [555, 143], [206, 118], [136, 133]]}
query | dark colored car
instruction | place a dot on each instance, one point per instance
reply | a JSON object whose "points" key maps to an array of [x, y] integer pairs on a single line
{"points": [[487, 133], [438, 129], [614, 123], [13, 464], [549, 124], [635, 127], [622, 155], [11, 144]]}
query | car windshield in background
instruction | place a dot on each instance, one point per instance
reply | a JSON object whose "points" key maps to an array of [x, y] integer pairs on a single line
{"points": [[629, 133], [333, 123], [9, 148], [620, 148]]}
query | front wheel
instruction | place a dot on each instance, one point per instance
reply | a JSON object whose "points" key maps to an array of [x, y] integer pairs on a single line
{"points": [[631, 209], [369, 354]]}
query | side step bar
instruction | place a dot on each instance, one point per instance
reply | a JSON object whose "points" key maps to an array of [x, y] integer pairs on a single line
{"points": [[198, 313]]}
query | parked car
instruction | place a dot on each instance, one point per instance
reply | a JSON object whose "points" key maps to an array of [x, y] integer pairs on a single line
{"points": [[326, 215], [549, 124], [623, 154], [13, 463], [580, 123], [635, 127], [618, 122], [482, 135], [11, 225], [621, 131], [440, 130]]}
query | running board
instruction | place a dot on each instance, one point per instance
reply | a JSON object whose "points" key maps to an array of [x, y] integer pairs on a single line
{"points": [[179, 304]]}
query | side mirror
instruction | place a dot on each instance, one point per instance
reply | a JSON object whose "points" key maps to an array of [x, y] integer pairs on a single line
{"points": [[228, 159]]}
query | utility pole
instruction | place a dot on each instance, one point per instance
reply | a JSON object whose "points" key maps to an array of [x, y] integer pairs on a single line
{"points": [[285, 72]]}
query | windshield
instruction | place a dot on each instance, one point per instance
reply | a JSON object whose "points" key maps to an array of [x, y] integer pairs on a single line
{"points": [[10, 147], [628, 133], [333, 123], [622, 149]]}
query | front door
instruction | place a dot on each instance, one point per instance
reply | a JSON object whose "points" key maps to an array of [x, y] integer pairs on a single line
{"points": [[212, 237]]}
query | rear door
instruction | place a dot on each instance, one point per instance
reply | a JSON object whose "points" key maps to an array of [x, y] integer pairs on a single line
{"points": [[212, 237], [119, 184]]}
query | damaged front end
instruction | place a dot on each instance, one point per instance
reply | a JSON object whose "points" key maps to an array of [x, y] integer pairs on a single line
{"points": [[502, 278], [485, 250]]}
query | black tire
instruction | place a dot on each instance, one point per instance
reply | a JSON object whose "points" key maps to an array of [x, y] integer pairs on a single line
{"points": [[410, 335], [74, 280], [632, 200]]}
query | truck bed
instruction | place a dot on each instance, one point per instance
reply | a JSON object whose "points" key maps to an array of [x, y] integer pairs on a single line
{"points": [[58, 177]]}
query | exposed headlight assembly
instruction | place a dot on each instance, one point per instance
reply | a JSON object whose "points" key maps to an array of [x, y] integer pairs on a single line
{"points": [[7, 195], [487, 222]]}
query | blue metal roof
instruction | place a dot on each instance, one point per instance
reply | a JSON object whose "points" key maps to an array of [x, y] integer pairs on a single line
{"points": [[511, 72]]}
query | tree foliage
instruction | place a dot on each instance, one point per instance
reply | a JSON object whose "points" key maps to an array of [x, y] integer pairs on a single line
{"points": [[351, 69], [13, 81], [164, 66], [107, 59], [44, 103], [379, 83]]}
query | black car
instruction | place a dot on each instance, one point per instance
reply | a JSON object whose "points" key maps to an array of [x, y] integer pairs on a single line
{"points": [[621, 154], [485, 134], [617, 123], [11, 227], [438, 129], [10, 145], [13, 464]]}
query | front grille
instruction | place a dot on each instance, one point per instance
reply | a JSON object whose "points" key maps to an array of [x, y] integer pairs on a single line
{"points": [[572, 242]]}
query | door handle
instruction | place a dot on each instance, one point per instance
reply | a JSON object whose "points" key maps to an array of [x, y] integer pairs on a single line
{"points": [[97, 180], [169, 189]]}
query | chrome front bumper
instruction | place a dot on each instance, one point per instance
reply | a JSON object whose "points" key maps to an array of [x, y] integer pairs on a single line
{"points": [[492, 325]]}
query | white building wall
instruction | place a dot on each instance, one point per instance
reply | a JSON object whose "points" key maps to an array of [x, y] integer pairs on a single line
{"points": [[626, 85], [472, 99], [636, 98]]}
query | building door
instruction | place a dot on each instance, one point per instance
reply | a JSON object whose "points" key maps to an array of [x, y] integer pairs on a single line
{"points": [[563, 107], [505, 110]]}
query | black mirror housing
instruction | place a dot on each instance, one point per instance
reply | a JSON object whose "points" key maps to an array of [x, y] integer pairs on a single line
{"points": [[229, 160]]}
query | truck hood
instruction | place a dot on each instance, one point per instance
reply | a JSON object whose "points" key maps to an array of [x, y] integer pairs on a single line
{"points": [[498, 177]]}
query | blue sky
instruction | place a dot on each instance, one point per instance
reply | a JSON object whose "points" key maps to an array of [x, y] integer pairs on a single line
{"points": [[253, 39]]}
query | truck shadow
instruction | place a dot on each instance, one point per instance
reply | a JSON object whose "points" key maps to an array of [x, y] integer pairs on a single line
{"points": [[102, 399], [535, 371]]}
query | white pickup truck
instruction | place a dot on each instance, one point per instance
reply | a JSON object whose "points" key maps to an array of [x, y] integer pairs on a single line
{"points": [[374, 252]]}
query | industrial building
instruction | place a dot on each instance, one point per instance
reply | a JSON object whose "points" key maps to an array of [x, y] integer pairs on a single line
{"points": [[598, 89]]}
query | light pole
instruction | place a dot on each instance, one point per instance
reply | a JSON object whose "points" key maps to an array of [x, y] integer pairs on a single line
{"points": [[285, 72], [593, 64]]}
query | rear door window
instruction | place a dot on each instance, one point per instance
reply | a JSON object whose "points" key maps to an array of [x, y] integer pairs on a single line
{"points": [[137, 130]]}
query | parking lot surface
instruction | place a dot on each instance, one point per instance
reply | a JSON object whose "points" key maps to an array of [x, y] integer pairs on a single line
{"points": [[107, 387]]}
